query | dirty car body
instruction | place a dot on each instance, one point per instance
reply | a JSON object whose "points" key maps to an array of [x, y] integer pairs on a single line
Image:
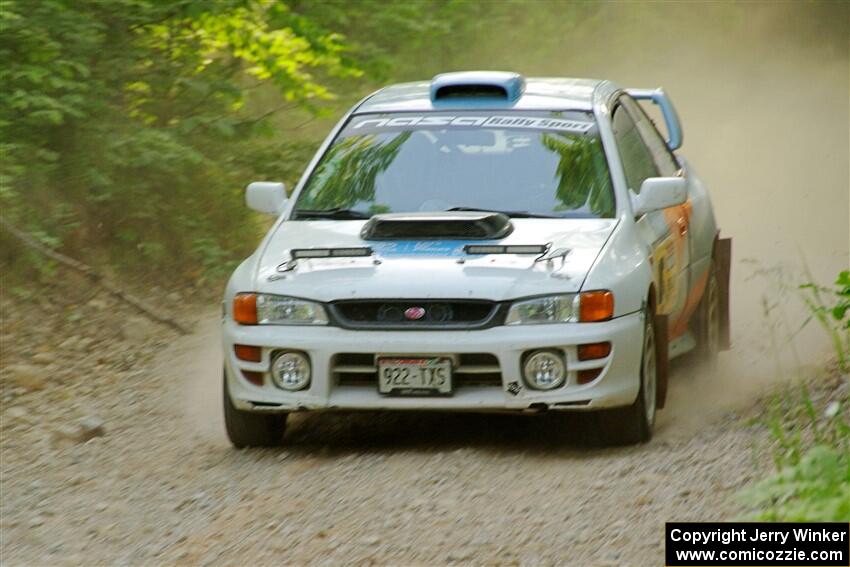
{"points": [[479, 242]]}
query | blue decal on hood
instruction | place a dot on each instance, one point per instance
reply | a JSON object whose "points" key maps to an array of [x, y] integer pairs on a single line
{"points": [[453, 248]]}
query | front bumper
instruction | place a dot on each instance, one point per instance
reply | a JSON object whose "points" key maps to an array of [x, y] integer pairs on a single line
{"points": [[617, 384]]}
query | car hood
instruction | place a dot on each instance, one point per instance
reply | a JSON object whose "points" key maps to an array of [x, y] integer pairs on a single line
{"points": [[430, 269]]}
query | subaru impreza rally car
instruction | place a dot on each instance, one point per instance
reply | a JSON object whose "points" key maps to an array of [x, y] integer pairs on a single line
{"points": [[479, 242]]}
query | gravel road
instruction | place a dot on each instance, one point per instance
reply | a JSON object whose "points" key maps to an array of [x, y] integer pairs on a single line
{"points": [[148, 478]]}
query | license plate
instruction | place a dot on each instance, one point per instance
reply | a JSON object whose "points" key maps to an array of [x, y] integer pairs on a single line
{"points": [[415, 376]]}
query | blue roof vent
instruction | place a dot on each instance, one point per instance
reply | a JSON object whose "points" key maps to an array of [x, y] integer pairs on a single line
{"points": [[487, 85]]}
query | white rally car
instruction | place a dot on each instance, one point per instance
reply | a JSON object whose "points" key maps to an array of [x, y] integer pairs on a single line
{"points": [[479, 242]]}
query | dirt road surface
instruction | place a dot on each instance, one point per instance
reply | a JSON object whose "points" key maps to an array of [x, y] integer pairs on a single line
{"points": [[162, 485]]}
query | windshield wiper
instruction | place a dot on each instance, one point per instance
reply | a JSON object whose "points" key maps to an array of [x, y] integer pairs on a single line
{"points": [[337, 213], [513, 214]]}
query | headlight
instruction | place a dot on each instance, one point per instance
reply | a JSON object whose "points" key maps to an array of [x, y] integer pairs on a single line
{"points": [[585, 307], [551, 309], [264, 309]]}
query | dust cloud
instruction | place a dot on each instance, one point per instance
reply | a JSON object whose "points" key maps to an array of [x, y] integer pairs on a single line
{"points": [[766, 118], [763, 92], [195, 363]]}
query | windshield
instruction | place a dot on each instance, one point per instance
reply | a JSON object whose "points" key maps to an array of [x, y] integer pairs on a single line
{"points": [[547, 164]]}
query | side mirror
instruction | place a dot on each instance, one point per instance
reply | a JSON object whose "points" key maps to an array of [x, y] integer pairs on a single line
{"points": [[266, 197], [658, 193]]}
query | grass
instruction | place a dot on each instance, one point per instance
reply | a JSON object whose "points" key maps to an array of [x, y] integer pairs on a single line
{"points": [[832, 317], [811, 454]]}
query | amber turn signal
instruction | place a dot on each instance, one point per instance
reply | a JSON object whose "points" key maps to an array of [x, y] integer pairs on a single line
{"points": [[596, 306], [594, 351], [245, 308], [248, 353]]}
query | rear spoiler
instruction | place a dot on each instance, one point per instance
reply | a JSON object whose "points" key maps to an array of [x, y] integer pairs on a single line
{"points": [[671, 119]]}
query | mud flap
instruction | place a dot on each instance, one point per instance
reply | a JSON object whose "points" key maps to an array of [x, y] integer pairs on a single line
{"points": [[723, 257], [662, 359]]}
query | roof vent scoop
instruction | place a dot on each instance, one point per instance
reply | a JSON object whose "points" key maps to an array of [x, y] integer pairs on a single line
{"points": [[488, 85], [437, 226]]}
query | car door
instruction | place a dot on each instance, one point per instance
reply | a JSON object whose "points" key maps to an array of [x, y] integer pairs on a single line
{"points": [[666, 231]]}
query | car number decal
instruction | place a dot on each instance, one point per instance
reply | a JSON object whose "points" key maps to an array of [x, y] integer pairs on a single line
{"points": [[664, 258]]}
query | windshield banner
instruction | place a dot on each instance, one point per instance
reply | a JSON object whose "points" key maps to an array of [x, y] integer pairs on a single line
{"points": [[443, 121]]}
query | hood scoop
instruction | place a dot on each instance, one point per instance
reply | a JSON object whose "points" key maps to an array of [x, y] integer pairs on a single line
{"points": [[462, 225]]}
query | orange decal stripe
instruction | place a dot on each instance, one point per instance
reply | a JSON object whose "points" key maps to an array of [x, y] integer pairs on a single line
{"points": [[681, 325]]}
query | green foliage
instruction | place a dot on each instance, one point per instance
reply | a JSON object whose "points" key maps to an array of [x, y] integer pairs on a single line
{"points": [[403, 39], [814, 490], [128, 126], [812, 458], [833, 314], [841, 310], [812, 444]]}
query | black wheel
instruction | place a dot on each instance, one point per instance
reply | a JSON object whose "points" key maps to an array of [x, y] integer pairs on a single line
{"points": [[634, 423], [708, 321], [248, 429]]}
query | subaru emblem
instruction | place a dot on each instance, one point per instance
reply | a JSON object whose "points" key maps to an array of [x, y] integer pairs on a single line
{"points": [[414, 313]]}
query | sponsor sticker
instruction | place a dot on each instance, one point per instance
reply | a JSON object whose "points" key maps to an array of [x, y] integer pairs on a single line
{"points": [[421, 248], [494, 121]]}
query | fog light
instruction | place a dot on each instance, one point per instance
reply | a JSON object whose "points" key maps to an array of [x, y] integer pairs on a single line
{"points": [[291, 371], [544, 370]]}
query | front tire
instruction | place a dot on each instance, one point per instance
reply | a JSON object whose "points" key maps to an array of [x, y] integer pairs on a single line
{"points": [[248, 429], [634, 424]]}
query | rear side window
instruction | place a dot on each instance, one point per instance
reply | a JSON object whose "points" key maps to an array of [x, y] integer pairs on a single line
{"points": [[636, 157], [661, 154]]}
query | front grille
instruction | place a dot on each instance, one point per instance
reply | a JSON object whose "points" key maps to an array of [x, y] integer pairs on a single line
{"points": [[415, 314], [470, 369]]}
